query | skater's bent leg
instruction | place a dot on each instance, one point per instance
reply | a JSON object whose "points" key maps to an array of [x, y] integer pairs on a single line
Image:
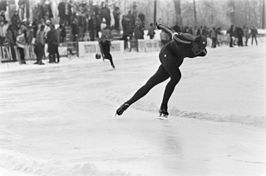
{"points": [[110, 58], [160, 76], [175, 76]]}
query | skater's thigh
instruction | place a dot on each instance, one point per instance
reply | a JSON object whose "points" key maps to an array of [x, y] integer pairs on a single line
{"points": [[170, 64], [160, 75], [172, 70]]}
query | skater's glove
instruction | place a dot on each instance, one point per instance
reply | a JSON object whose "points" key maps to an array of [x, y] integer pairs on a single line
{"points": [[173, 35]]}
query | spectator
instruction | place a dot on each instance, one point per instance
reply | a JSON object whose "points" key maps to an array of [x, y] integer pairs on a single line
{"points": [[141, 17], [3, 29], [246, 34], [62, 11], [21, 43], [15, 20], [213, 35], [35, 27], [91, 27], [151, 32], [53, 42], [3, 5], [105, 13], [139, 30], [126, 30], [75, 29], [11, 41], [176, 28], [254, 33], [199, 31], [116, 14], [205, 31], [68, 13], [97, 24], [231, 35], [239, 35], [39, 45], [62, 33], [47, 10], [82, 24], [130, 22]]}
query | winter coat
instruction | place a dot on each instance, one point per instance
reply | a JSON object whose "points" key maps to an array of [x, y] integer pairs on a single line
{"points": [[10, 37], [61, 9], [40, 37], [52, 37], [21, 40]]}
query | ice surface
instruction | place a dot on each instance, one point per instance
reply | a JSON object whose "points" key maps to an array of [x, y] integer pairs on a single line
{"points": [[58, 119]]}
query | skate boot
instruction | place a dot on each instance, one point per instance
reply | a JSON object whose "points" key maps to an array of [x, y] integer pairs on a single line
{"points": [[122, 108], [163, 113]]}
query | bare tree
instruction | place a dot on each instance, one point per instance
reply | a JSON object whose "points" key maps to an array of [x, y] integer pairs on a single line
{"points": [[263, 14], [195, 13], [177, 4]]}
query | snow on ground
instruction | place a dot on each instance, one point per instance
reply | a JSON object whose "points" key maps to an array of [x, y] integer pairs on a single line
{"points": [[58, 119]]}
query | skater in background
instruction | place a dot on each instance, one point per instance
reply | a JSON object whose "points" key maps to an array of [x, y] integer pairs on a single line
{"points": [[171, 57], [105, 44]]}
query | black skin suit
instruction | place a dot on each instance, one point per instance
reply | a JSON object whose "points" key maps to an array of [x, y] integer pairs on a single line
{"points": [[171, 57]]}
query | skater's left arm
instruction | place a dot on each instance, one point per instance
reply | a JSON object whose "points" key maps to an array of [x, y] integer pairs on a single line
{"points": [[178, 37]]}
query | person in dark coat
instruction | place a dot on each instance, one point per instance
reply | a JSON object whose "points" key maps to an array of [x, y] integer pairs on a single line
{"points": [[11, 40], [171, 57], [151, 32], [254, 33], [21, 42], [39, 45], [91, 27], [116, 14], [239, 35], [139, 30], [106, 13], [15, 21], [62, 33], [61, 11], [75, 29], [231, 33], [176, 28], [213, 35], [53, 43]]}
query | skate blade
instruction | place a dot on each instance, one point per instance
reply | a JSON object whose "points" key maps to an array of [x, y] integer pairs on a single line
{"points": [[162, 117]]}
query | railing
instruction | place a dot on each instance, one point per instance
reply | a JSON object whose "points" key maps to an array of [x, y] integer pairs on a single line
{"points": [[11, 54]]}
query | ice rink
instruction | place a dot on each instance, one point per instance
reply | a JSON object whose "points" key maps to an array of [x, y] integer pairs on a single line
{"points": [[58, 119]]}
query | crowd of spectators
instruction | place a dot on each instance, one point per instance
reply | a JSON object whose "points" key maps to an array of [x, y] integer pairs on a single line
{"points": [[77, 21], [233, 36], [82, 20]]}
